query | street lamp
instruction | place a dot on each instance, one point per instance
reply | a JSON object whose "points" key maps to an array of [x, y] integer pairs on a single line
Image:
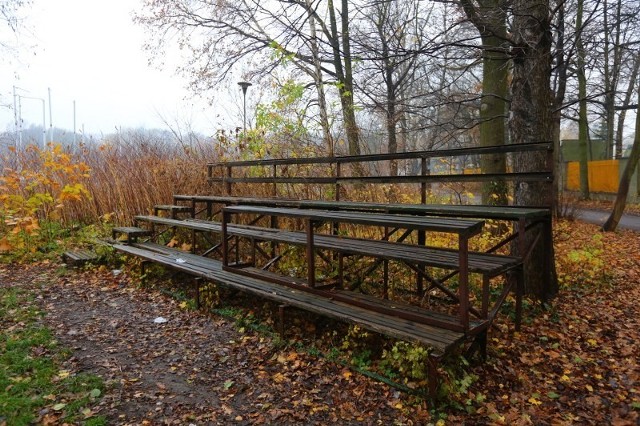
{"points": [[244, 85]]}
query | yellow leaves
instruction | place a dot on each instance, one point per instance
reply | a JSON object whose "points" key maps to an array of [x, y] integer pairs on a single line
{"points": [[31, 225], [5, 245], [26, 225], [42, 185], [534, 401], [74, 192], [279, 378], [107, 217]]}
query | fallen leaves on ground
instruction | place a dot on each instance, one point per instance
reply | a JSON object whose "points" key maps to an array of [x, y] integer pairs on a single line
{"points": [[574, 363]]}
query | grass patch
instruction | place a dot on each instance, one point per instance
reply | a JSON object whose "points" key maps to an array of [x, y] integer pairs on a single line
{"points": [[33, 386]]}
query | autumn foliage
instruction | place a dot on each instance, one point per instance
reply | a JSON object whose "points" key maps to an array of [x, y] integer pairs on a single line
{"points": [[35, 186], [44, 193]]}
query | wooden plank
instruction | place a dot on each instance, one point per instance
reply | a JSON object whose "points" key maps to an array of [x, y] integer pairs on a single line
{"points": [[78, 257], [441, 340], [483, 263], [417, 315], [464, 227], [468, 211], [399, 305], [171, 207], [131, 231]]}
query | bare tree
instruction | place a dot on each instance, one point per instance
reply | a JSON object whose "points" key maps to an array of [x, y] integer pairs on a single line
{"points": [[623, 190], [389, 41], [230, 36], [10, 16], [317, 75], [583, 121]]}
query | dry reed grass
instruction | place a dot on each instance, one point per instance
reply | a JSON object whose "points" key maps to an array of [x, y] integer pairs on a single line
{"points": [[135, 173]]}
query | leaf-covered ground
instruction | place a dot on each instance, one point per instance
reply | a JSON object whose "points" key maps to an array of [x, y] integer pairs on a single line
{"points": [[573, 363]]}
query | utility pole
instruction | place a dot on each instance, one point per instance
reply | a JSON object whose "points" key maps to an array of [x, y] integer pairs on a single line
{"points": [[19, 121], [50, 118], [44, 122], [74, 123], [15, 112]]}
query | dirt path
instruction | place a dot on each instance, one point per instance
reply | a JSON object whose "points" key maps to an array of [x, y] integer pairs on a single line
{"points": [[193, 368]]}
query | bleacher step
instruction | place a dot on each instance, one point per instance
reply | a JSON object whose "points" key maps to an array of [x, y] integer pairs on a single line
{"points": [[130, 232], [173, 210], [78, 257]]}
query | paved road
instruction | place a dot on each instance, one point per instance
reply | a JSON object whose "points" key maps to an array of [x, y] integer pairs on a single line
{"points": [[600, 216]]}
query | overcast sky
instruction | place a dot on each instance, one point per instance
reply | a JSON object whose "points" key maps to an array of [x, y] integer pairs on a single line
{"points": [[91, 52]]}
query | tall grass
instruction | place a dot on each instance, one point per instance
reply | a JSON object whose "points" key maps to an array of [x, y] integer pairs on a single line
{"points": [[123, 176], [129, 176]]}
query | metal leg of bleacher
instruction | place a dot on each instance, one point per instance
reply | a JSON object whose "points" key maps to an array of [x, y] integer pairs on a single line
{"points": [[281, 312], [196, 287]]}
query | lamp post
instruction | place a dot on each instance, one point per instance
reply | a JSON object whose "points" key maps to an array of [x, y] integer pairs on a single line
{"points": [[244, 85]]}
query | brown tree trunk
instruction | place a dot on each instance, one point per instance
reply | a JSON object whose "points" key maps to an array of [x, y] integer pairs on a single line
{"points": [[623, 189], [490, 18], [322, 102], [342, 52], [583, 124], [493, 114], [562, 65], [627, 100], [531, 121]]}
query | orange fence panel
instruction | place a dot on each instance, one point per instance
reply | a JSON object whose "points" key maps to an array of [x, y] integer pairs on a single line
{"points": [[604, 176], [573, 176]]}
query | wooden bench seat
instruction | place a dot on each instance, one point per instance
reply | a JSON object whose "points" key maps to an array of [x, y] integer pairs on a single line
{"points": [[482, 263], [441, 340], [78, 257], [131, 233], [173, 210], [512, 213], [194, 224], [488, 265], [463, 227]]}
